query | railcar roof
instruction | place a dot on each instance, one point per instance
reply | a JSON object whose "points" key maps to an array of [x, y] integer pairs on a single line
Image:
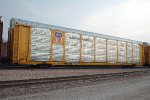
{"points": [[15, 21]]}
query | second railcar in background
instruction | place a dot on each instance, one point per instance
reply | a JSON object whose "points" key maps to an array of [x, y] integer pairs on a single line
{"points": [[146, 54], [4, 50], [1, 32], [35, 43]]}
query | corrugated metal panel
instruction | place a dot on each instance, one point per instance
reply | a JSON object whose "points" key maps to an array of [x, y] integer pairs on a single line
{"points": [[121, 52], [40, 44], [112, 51], [87, 48], [72, 47], [57, 52], [100, 50], [136, 53], [129, 53]]}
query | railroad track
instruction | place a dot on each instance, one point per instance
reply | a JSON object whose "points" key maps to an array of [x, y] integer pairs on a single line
{"points": [[72, 78], [10, 89]]}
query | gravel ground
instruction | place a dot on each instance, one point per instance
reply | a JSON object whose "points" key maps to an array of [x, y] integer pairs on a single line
{"points": [[24, 74], [124, 89]]}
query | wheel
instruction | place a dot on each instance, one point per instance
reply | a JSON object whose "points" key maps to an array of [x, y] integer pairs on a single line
{"points": [[44, 66], [124, 66]]}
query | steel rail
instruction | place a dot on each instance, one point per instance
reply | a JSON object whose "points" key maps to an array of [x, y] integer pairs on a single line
{"points": [[72, 78]]}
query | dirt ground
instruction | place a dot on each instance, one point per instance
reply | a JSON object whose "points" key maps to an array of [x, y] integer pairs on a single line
{"points": [[24, 74]]}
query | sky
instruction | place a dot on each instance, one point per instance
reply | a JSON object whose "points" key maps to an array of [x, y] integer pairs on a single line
{"points": [[128, 19]]}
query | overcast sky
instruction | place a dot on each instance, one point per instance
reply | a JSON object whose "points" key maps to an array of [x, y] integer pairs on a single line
{"points": [[122, 18]]}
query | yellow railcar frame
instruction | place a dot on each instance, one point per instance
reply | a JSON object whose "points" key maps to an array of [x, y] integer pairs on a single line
{"points": [[19, 50]]}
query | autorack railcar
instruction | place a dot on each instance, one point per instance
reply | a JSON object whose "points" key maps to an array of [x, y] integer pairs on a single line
{"points": [[35, 43]]}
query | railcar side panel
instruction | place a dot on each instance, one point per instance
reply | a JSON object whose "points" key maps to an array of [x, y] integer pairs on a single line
{"points": [[122, 52], [112, 51], [40, 44], [100, 50], [23, 43], [72, 47], [87, 48], [37, 45], [19, 42]]}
